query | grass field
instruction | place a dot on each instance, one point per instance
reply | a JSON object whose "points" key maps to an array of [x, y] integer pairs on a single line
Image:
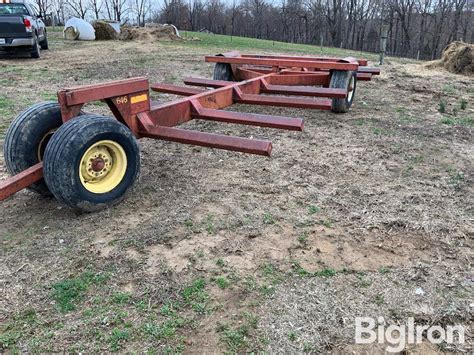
{"points": [[367, 213], [213, 41], [220, 42]]}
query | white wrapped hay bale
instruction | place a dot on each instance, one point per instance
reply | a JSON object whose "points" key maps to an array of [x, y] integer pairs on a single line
{"points": [[78, 29]]}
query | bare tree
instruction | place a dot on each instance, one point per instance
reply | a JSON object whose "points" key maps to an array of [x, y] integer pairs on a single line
{"points": [[458, 9], [141, 8], [195, 14], [415, 27], [96, 6], [44, 7], [77, 8], [116, 9], [58, 7]]}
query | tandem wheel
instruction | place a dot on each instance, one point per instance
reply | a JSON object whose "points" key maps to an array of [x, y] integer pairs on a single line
{"points": [[27, 137], [91, 162], [223, 71], [343, 79]]}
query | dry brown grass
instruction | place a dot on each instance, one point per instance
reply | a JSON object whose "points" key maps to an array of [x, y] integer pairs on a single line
{"points": [[386, 186]]}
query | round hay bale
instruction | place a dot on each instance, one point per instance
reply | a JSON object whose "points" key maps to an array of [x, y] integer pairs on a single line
{"points": [[71, 33], [104, 31]]}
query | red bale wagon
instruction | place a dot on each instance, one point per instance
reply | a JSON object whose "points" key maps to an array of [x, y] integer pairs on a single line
{"points": [[89, 161]]}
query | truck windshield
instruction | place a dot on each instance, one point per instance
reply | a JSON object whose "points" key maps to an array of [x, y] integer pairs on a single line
{"points": [[13, 9]]}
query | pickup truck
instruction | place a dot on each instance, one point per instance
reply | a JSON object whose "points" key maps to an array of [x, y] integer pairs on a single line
{"points": [[21, 28]]}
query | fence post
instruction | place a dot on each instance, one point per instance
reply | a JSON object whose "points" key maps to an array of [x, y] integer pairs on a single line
{"points": [[383, 42]]}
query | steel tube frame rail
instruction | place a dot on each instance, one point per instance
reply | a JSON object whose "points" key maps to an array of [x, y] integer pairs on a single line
{"points": [[264, 63], [129, 101]]}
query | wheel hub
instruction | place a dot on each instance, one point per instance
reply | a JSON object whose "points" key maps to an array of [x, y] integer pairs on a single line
{"points": [[99, 163], [103, 166]]}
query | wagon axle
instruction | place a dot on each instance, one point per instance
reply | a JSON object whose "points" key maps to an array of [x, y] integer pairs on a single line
{"points": [[89, 161]]}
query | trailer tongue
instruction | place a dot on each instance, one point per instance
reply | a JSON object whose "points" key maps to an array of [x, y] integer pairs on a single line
{"points": [[90, 161]]}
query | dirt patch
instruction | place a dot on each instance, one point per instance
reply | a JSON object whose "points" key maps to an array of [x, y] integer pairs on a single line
{"points": [[457, 57]]}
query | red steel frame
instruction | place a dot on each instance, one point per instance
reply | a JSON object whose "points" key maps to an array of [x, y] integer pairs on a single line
{"points": [[130, 103]]}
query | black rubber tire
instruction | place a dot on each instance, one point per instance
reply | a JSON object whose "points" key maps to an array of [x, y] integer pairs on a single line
{"points": [[63, 156], [36, 52], [44, 45], [223, 71], [27, 137], [341, 79]]}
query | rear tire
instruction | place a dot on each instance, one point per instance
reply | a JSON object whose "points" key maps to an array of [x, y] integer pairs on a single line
{"points": [[342, 79], [91, 162], [27, 137], [44, 45], [36, 52], [223, 71]]}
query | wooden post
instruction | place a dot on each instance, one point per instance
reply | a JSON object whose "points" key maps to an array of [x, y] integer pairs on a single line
{"points": [[383, 42]]}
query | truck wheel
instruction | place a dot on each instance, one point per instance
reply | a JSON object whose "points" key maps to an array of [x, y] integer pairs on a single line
{"points": [[343, 79], [27, 137], [223, 71], [36, 52], [44, 45], [91, 162]]}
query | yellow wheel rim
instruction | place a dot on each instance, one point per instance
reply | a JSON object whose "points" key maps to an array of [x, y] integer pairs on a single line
{"points": [[103, 167], [43, 142]]}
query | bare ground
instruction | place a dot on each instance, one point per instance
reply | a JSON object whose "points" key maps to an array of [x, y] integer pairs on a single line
{"points": [[221, 251]]}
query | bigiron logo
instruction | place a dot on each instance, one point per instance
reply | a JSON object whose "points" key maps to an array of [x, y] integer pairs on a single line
{"points": [[368, 331]]}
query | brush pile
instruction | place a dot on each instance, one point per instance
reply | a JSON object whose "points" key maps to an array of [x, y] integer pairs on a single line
{"points": [[150, 33], [458, 58]]}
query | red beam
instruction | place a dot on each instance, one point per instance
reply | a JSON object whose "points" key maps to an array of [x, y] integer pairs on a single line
{"points": [[304, 91], [300, 79], [326, 59], [87, 93], [288, 63], [20, 181], [175, 89], [258, 69], [322, 104], [364, 76], [292, 71], [207, 82], [283, 78], [245, 73], [244, 145], [372, 70], [289, 123], [179, 111]]}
